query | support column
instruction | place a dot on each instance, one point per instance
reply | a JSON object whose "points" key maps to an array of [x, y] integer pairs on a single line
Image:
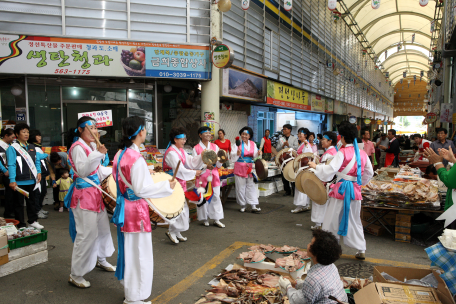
{"points": [[447, 86], [210, 90]]}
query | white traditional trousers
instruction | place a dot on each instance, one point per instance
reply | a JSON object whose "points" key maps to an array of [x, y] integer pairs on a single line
{"points": [[246, 191], [318, 212], [212, 210], [139, 267], [182, 222], [355, 233], [93, 240], [300, 199]]}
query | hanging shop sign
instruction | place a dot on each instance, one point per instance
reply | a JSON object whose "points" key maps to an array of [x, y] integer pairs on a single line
{"points": [[332, 4], [286, 96], [367, 121], [340, 107], [318, 103], [446, 112], [375, 4], [287, 5], [424, 2], [237, 84], [352, 119], [103, 118], [245, 4], [355, 111], [222, 56], [430, 118], [329, 106], [20, 54]]}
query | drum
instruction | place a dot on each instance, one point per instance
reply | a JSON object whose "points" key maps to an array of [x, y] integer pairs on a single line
{"points": [[306, 180], [261, 169], [284, 156], [209, 157], [166, 208]]}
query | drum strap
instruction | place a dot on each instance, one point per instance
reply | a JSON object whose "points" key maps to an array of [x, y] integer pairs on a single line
{"points": [[290, 152], [93, 184], [167, 221]]}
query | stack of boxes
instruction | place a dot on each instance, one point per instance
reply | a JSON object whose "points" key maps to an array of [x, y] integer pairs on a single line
{"points": [[403, 226]]}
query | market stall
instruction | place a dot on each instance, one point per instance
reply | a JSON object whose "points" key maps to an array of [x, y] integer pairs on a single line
{"points": [[394, 196], [20, 248]]}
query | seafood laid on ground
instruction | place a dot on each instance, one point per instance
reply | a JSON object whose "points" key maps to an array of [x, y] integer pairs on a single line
{"points": [[300, 254], [290, 263], [415, 191], [286, 249], [263, 248], [354, 283], [254, 256]]}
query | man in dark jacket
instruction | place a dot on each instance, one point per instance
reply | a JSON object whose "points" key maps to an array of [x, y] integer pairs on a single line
{"points": [[393, 150]]}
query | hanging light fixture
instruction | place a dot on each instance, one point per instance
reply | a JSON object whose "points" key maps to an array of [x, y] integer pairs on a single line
{"points": [[167, 88], [16, 90], [224, 5]]}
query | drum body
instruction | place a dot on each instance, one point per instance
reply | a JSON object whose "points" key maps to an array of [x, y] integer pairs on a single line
{"points": [[306, 180], [222, 156], [284, 157], [163, 208], [209, 157]]}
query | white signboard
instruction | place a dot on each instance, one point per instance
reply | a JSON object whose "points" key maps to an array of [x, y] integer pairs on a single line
{"points": [[103, 118]]}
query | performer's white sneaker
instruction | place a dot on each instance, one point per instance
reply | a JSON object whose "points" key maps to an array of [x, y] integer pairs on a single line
{"points": [[78, 282], [219, 224], [136, 302], [36, 225], [105, 266], [300, 209], [242, 209], [172, 237], [360, 255], [256, 209], [180, 237], [206, 223], [316, 227]]}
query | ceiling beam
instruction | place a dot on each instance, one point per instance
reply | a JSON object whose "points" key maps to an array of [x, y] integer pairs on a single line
{"points": [[402, 53], [398, 77], [398, 32], [415, 44], [370, 24], [411, 61]]}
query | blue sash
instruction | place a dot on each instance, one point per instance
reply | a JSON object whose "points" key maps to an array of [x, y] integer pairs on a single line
{"points": [[245, 159], [348, 191], [79, 183], [118, 219]]}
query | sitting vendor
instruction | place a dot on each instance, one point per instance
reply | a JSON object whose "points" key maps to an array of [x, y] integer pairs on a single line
{"points": [[431, 171], [323, 278]]}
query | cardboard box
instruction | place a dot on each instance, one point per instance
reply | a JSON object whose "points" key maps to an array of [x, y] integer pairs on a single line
{"points": [[404, 224], [4, 259], [373, 229], [403, 237], [403, 218], [402, 230], [379, 293], [401, 273], [3, 245]]}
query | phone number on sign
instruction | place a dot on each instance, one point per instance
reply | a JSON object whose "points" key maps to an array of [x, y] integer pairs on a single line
{"points": [[74, 72], [180, 74]]}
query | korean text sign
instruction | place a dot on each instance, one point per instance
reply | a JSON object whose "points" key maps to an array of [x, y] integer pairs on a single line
{"points": [[286, 96], [103, 118], [20, 54]]}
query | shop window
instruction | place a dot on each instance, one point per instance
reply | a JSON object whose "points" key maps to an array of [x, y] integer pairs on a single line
{"points": [[45, 113], [265, 120], [8, 105], [93, 94], [142, 103]]}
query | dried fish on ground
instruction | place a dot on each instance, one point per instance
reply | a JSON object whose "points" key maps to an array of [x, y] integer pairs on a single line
{"points": [[263, 248], [254, 256], [300, 254], [230, 290], [286, 249], [269, 279], [289, 263]]}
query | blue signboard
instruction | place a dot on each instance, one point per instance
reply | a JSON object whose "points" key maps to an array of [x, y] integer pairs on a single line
{"points": [[178, 61], [20, 117]]}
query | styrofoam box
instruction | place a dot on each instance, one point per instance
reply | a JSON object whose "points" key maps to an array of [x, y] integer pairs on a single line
{"points": [[271, 266], [267, 185], [27, 250], [267, 192], [23, 263]]}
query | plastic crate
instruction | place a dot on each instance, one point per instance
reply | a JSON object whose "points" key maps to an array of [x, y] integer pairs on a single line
{"points": [[28, 240]]}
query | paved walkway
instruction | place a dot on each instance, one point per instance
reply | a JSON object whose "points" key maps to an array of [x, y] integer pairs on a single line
{"points": [[181, 272]]}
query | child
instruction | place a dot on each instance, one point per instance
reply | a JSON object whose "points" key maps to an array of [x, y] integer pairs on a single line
{"points": [[64, 182]]}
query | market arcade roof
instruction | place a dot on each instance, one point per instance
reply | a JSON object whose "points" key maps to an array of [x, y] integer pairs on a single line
{"points": [[394, 22]]}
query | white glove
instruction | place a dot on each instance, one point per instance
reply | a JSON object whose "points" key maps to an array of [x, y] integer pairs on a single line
{"points": [[284, 284]]}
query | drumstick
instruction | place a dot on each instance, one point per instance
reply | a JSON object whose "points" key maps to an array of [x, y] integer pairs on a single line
{"points": [[96, 137], [175, 173]]}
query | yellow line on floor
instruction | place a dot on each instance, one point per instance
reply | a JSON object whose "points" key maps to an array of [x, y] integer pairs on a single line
{"points": [[183, 285]]}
